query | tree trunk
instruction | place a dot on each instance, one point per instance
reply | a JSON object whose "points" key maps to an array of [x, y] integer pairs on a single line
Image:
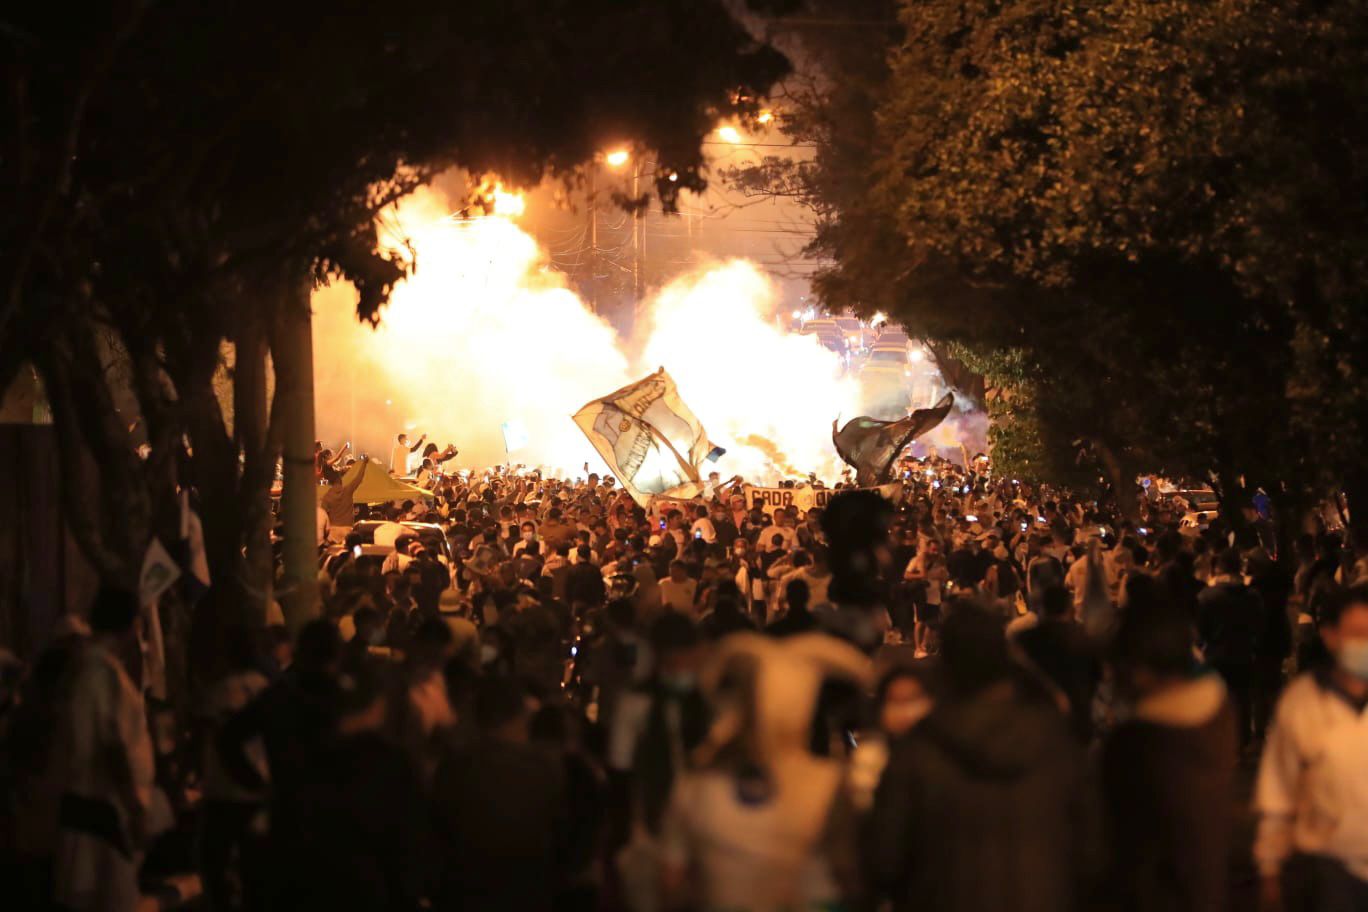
{"points": [[259, 452], [105, 486], [292, 354]]}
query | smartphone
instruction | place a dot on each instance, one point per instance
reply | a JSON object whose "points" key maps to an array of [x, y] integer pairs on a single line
{"points": [[356, 551], [1023, 527], [698, 533]]}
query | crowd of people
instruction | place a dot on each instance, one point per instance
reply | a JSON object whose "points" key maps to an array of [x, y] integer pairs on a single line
{"points": [[533, 693]]}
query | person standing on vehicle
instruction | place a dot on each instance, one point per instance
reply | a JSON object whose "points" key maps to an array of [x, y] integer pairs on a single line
{"points": [[399, 455]]}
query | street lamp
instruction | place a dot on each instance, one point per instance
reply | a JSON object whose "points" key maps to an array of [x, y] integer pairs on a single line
{"points": [[617, 158]]}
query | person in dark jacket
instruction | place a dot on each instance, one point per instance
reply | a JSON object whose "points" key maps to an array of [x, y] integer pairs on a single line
{"points": [[1168, 771], [1230, 621], [1059, 649], [985, 804], [1274, 647], [365, 844], [500, 811], [295, 718]]}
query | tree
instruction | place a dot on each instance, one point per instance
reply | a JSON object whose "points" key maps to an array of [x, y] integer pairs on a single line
{"points": [[184, 173], [1145, 219]]}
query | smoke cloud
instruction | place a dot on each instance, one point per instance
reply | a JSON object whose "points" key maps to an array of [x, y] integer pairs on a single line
{"points": [[484, 332]]}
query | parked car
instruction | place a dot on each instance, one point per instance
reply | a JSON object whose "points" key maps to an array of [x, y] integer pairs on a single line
{"points": [[430, 534]]}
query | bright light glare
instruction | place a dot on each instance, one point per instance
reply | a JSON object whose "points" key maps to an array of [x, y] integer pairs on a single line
{"points": [[729, 134], [617, 158], [674, 176], [481, 291], [879, 317], [915, 355], [765, 117], [509, 205]]}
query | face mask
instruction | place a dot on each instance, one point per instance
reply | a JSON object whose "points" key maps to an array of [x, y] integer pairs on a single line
{"points": [[488, 654], [1353, 658]]}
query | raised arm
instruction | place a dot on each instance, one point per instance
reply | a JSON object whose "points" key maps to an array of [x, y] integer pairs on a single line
{"points": [[355, 483]]}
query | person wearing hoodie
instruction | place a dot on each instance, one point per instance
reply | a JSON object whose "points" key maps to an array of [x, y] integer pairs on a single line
{"points": [[986, 804], [1168, 770]]}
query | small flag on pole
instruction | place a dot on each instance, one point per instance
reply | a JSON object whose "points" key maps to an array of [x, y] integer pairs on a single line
{"points": [[515, 435]]}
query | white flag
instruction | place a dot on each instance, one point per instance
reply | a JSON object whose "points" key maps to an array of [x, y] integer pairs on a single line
{"points": [[515, 435], [650, 439], [159, 571]]}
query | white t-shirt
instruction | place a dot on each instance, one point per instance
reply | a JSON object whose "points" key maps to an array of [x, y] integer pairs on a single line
{"points": [[789, 535], [678, 596], [705, 526], [767, 855], [935, 576], [818, 585], [1312, 794], [399, 459]]}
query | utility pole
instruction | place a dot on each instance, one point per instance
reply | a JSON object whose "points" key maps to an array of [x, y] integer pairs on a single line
{"points": [[636, 245], [292, 351], [593, 236]]}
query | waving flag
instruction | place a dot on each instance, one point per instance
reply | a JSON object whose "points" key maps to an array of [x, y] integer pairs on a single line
{"points": [[870, 446], [515, 435], [650, 439]]}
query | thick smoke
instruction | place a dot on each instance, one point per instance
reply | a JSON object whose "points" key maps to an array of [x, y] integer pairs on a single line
{"points": [[483, 333], [480, 334]]}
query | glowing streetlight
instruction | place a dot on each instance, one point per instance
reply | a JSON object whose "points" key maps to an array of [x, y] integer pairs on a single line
{"points": [[617, 158], [915, 355], [729, 134], [879, 317], [765, 117]]}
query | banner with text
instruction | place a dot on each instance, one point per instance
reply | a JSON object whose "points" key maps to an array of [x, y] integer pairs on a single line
{"points": [[804, 499]]}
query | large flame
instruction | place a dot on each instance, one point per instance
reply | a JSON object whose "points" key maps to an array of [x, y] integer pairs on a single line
{"points": [[480, 334], [483, 333], [766, 394]]}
